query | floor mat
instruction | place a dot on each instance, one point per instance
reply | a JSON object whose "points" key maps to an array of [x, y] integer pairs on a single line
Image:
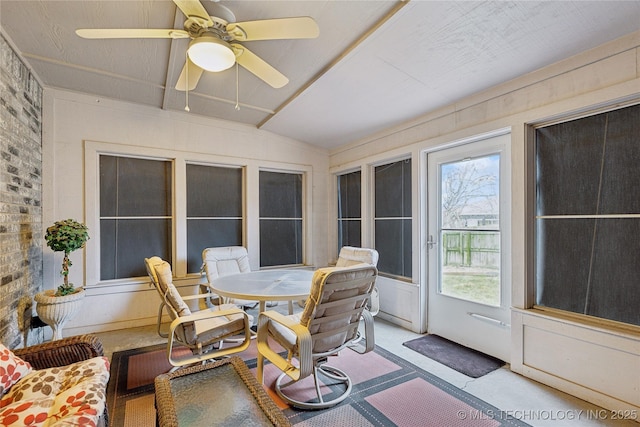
{"points": [[463, 359]]}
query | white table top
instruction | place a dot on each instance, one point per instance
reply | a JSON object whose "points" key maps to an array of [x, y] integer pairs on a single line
{"points": [[265, 285]]}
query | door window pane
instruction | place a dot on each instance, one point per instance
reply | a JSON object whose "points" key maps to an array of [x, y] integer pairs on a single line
{"points": [[135, 214], [280, 218], [214, 210], [393, 217], [470, 229]]}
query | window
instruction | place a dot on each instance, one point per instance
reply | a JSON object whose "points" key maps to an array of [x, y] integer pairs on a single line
{"points": [[214, 210], [280, 218], [392, 217], [588, 215], [470, 232], [135, 214], [349, 210]]}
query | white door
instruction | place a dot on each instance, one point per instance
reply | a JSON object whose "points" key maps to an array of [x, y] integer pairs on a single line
{"points": [[468, 245]]}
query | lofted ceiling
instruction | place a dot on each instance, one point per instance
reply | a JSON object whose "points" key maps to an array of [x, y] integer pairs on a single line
{"points": [[375, 64]]}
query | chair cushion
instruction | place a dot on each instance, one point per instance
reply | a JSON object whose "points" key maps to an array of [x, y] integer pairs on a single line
{"points": [[212, 329], [12, 369], [283, 335], [351, 256], [63, 396], [165, 280], [224, 261]]}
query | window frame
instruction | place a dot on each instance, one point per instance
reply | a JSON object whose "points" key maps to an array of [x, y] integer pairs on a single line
{"points": [[92, 151], [531, 296], [171, 214], [372, 211], [339, 219], [242, 218], [304, 210]]}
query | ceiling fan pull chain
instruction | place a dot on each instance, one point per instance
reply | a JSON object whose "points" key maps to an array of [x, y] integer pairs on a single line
{"points": [[237, 107], [186, 73]]}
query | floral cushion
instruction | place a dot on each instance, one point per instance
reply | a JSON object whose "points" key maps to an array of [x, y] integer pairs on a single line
{"points": [[70, 395], [12, 368]]}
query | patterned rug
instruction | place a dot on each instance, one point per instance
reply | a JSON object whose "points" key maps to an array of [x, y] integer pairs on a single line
{"points": [[463, 359], [387, 391]]}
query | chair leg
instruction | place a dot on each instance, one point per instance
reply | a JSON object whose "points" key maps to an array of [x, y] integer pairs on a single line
{"points": [[324, 370], [260, 368]]}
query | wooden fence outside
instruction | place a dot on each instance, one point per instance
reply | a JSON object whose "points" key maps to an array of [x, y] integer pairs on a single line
{"points": [[471, 248]]}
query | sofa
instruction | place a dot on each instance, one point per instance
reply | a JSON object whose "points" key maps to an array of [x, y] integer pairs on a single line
{"points": [[58, 383]]}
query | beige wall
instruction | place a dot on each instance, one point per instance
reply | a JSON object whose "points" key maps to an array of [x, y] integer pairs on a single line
{"points": [[540, 341]]}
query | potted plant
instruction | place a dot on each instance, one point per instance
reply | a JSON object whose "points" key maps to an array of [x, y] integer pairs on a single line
{"points": [[56, 307]]}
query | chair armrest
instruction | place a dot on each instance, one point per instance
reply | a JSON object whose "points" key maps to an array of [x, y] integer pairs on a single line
{"points": [[61, 352], [369, 337], [208, 313], [195, 296], [201, 315], [303, 341]]}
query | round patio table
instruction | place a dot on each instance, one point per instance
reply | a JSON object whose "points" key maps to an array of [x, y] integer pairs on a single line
{"points": [[266, 285]]}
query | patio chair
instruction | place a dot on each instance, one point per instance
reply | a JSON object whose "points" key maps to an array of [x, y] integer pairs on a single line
{"points": [[201, 331], [349, 256], [328, 324], [223, 261]]}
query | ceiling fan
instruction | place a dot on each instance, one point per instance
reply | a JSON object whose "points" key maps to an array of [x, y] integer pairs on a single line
{"points": [[214, 41]]}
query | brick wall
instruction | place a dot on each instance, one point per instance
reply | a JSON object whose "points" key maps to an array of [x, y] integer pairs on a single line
{"points": [[21, 234]]}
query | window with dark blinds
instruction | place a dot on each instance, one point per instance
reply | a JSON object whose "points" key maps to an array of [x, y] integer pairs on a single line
{"points": [[135, 214], [280, 218], [588, 215], [349, 209], [214, 210], [393, 217]]}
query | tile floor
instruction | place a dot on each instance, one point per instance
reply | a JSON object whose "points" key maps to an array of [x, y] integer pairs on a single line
{"points": [[534, 403]]}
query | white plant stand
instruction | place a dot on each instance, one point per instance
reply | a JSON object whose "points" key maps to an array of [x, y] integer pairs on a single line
{"points": [[56, 311]]}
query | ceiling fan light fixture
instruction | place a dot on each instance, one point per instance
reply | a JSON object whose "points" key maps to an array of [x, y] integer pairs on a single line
{"points": [[211, 54]]}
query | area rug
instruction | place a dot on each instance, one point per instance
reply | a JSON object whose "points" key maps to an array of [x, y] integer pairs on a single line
{"points": [[463, 359], [387, 391]]}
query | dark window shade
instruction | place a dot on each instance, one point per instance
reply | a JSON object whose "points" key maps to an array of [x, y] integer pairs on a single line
{"points": [[214, 210], [134, 187], [280, 195], [135, 214], [280, 242], [349, 209], [124, 243], [280, 218], [393, 243], [209, 233], [393, 217], [349, 195], [393, 189], [349, 233], [214, 191], [587, 263]]}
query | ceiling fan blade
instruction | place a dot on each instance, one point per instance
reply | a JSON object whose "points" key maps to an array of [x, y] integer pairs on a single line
{"points": [[130, 33], [302, 27], [254, 64], [194, 9], [194, 74]]}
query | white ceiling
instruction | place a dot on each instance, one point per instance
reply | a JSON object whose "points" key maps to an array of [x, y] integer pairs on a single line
{"points": [[376, 64]]}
